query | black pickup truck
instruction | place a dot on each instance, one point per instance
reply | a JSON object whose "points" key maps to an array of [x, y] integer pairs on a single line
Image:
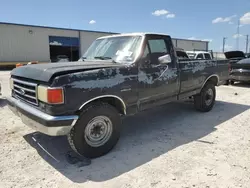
{"points": [[118, 75]]}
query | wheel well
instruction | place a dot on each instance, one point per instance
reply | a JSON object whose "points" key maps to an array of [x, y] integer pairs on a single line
{"points": [[213, 79], [113, 101]]}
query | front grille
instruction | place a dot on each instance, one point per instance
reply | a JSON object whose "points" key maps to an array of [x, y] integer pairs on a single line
{"points": [[25, 91]]}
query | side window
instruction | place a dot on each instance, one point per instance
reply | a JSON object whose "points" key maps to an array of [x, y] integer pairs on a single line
{"points": [[199, 56], [157, 49], [207, 56], [158, 46]]}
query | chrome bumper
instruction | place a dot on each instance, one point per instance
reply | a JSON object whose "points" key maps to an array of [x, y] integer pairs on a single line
{"points": [[40, 121]]}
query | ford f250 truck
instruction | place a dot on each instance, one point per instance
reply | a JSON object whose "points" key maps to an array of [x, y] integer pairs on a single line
{"points": [[118, 75]]}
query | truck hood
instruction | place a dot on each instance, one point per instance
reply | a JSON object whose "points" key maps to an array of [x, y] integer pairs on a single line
{"points": [[45, 72], [235, 55]]}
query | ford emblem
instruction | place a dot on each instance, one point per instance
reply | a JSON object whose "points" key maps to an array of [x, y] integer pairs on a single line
{"points": [[22, 91]]}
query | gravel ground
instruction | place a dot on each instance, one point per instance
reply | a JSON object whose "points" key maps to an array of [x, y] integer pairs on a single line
{"points": [[169, 146]]}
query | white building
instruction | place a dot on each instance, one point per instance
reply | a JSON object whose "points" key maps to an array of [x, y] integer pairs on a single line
{"points": [[24, 43]]}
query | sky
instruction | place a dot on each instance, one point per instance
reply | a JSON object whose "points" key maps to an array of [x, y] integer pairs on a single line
{"points": [[194, 19]]}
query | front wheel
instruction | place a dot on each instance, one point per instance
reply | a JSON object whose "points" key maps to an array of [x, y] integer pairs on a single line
{"points": [[204, 102], [96, 132]]}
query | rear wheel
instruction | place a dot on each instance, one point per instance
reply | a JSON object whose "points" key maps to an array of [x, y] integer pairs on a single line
{"points": [[96, 132], [204, 102]]}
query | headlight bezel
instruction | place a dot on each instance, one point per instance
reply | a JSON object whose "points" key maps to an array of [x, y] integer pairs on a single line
{"points": [[50, 95]]}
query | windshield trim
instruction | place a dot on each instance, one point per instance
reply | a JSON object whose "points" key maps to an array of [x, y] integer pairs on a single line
{"points": [[140, 50]]}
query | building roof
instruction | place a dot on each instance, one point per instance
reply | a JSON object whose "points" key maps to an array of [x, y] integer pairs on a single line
{"points": [[60, 28], [49, 27]]}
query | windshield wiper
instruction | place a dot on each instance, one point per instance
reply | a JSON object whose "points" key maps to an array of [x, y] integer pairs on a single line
{"points": [[82, 59], [102, 57]]}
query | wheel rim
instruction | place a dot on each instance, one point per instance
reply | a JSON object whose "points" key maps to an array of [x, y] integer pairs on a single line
{"points": [[98, 131], [209, 97]]}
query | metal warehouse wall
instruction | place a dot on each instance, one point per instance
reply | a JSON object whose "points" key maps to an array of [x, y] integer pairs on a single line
{"points": [[24, 43], [27, 43], [86, 38], [190, 45]]}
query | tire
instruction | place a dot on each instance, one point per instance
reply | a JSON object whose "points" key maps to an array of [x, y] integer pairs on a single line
{"points": [[82, 137], [231, 82], [227, 82], [204, 102]]}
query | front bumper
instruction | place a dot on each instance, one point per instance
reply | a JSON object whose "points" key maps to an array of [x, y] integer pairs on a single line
{"points": [[40, 121]]}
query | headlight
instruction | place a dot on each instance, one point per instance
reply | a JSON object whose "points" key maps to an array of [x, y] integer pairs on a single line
{"points": [[11, 83], [50, 95]]}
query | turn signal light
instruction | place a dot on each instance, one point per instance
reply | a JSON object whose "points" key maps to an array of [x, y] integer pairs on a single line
{"points": [[50, 95], [55, 96]]}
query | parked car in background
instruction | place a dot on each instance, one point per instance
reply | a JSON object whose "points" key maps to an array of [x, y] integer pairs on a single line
{"points": [[182, 55], [247, 55], [240, 71], [199, 55], [86, 99], [235, 56], [60, 58]]}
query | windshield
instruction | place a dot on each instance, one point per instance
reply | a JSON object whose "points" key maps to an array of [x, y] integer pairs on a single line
{"points": [[191, 55], [121, 49]]}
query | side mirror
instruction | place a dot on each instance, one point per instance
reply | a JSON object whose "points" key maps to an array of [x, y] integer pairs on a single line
{"points": [[165, 59]]}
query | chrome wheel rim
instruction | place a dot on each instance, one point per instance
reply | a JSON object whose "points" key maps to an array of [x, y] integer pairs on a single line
{"points": [[98, 131], [209, 97]]}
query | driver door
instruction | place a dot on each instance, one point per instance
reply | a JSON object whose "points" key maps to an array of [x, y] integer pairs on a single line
{"points": [[157, 75]]}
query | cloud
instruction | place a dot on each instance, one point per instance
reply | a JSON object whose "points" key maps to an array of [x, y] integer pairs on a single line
{"points": [[92, 22], [194, 38], [208, 40], [160, 12], [245, 19], [221, 20], [227, 47], [170, 16], [163, 13], [230, 23], [237, 36]]}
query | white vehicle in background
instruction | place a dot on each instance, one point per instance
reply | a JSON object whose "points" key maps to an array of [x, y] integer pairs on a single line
{"points": [[199, 55]]}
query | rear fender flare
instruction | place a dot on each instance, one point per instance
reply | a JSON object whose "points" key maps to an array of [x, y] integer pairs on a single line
{"points": [[211, 78]]}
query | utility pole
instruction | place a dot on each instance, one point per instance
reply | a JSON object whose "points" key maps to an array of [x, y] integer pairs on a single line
{"points": [[238, 35], [224, 42], [247, 43]]}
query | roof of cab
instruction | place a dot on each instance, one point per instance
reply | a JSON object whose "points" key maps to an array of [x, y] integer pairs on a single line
{"points": [[198, 52], [131, 34]]}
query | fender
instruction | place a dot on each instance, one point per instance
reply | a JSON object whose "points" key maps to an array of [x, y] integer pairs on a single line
{"points": [[106, 96], [213, 75]]}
